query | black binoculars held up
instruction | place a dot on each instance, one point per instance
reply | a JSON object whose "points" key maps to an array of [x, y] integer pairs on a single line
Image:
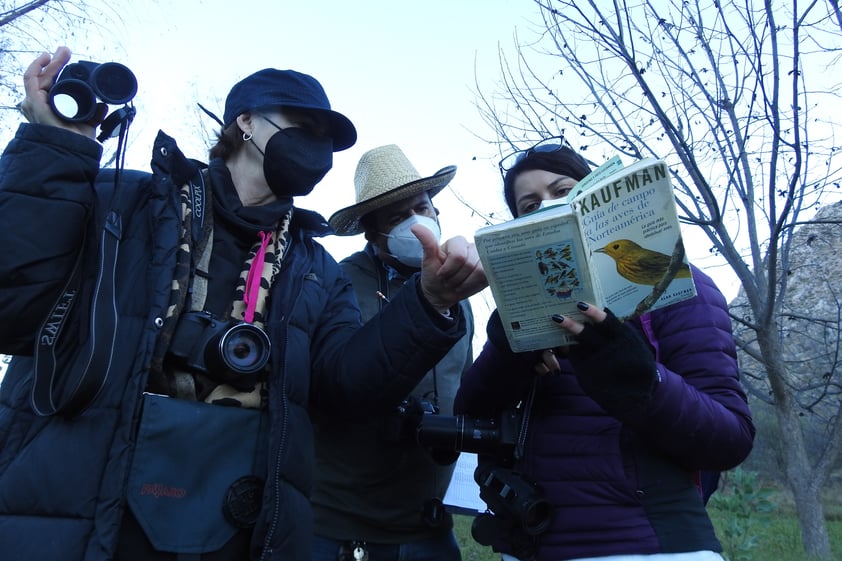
{"points": [[75, 95]]}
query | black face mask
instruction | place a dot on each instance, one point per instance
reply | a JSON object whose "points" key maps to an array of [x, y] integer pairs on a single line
{"points": [[295, 160]]}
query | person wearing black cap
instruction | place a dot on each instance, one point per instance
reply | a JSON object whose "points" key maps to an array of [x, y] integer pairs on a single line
{"points": [[174, 331], [375, 487]]}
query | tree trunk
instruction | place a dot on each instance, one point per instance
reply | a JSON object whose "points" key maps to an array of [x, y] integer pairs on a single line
{"points": [[801, 476], [807, 494]]}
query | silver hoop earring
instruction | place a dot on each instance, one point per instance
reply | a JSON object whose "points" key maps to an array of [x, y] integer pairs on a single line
{"points": [[246, 137]]}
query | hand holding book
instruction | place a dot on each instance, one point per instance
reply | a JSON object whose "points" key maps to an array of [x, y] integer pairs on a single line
{"points": [[617, 243], [614, 365]]}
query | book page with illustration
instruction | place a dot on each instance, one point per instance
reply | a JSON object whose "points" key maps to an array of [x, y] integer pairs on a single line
{"points": [[536, 267], [616, 244]]}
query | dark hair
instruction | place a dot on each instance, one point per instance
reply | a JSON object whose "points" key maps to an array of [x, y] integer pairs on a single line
{"points": [[564, 161], [228, 142]]}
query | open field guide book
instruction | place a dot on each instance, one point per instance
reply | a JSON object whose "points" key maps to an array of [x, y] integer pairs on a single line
{"points": [[614, 241]]}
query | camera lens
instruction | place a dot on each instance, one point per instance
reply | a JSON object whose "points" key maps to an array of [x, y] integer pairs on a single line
{"points": [[511, 495], [459, 433], [244, 348], [536, 515]]}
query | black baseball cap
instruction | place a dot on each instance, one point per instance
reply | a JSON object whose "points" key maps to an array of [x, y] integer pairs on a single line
{"points": [[287, 88]]}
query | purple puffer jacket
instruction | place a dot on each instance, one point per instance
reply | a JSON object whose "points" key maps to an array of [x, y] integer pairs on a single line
{"points": [[627, 484]]}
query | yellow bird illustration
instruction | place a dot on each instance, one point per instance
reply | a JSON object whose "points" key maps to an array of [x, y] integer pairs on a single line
{"points": [[640, 265]]}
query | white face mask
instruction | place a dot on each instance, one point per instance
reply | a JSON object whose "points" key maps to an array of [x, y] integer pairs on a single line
{"points": [[404, 246]]}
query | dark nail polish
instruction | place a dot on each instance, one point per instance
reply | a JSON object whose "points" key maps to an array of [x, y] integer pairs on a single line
{"points": [[582, 306], [558, 318]]}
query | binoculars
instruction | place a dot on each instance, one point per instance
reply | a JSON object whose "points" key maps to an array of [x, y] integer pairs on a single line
{"points": [[74, 97]]}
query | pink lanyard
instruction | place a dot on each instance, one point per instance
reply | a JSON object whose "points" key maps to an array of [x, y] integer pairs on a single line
{"points": [[254, 276]]}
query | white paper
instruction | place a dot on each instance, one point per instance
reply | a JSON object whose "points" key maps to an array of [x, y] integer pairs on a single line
{"points": [[462, 495]]}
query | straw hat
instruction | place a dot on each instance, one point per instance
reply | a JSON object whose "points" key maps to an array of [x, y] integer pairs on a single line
{"points": [[385, 175]]}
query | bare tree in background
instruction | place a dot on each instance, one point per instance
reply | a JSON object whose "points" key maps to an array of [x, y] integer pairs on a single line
{"points": [[21, 23], [739, 98], [28, 28]]}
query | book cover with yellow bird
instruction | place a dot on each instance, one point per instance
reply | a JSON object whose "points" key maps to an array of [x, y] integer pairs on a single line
{"points": [[641, 265], [615, 241]]}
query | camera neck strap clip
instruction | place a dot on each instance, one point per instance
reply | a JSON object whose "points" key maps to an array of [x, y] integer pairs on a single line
{"points": [[116, 123]]}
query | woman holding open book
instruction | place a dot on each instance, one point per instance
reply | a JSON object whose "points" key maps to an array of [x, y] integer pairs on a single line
{"points": [[614, 431]]}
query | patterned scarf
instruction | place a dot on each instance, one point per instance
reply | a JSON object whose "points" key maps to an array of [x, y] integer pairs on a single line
{"points": [[250, 304]]}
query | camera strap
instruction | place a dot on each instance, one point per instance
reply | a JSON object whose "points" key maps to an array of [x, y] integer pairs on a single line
{"points": [[520, 445], [89, 371]]}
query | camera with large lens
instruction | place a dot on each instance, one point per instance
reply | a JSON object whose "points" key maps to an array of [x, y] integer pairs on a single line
{"points": [[75, 94], [463, 433], [519, 512], [231, 351], [518, 509], [512, 496], [418, 420]]}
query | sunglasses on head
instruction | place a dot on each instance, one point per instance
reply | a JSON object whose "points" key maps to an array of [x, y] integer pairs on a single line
{"points": [[552, 144]]}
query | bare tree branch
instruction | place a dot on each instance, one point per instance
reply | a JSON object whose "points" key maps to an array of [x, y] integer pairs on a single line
{"points": [[739, 97], [20, 11]]}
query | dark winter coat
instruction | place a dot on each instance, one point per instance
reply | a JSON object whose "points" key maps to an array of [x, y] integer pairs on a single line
{"points": [[63, 480], [373, 483], [628, 484]]}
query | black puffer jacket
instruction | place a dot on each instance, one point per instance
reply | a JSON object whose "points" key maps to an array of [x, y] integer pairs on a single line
{"points": [[63, 481]]}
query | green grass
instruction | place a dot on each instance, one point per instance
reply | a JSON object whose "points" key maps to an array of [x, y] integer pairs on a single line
{"points": [[777, 537], [471, 550]]}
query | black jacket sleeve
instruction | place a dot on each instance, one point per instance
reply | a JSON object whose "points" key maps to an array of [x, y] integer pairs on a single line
{"points": [[46, 201], [381, 362]]}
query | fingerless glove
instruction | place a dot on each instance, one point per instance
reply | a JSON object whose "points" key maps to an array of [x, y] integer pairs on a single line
{"points": [[614, 365]]}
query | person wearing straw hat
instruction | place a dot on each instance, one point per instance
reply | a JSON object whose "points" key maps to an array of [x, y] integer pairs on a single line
{"points": [[377, 490]]}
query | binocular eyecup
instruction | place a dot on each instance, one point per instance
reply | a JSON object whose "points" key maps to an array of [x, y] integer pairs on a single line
{"points": [[75, 95]]}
